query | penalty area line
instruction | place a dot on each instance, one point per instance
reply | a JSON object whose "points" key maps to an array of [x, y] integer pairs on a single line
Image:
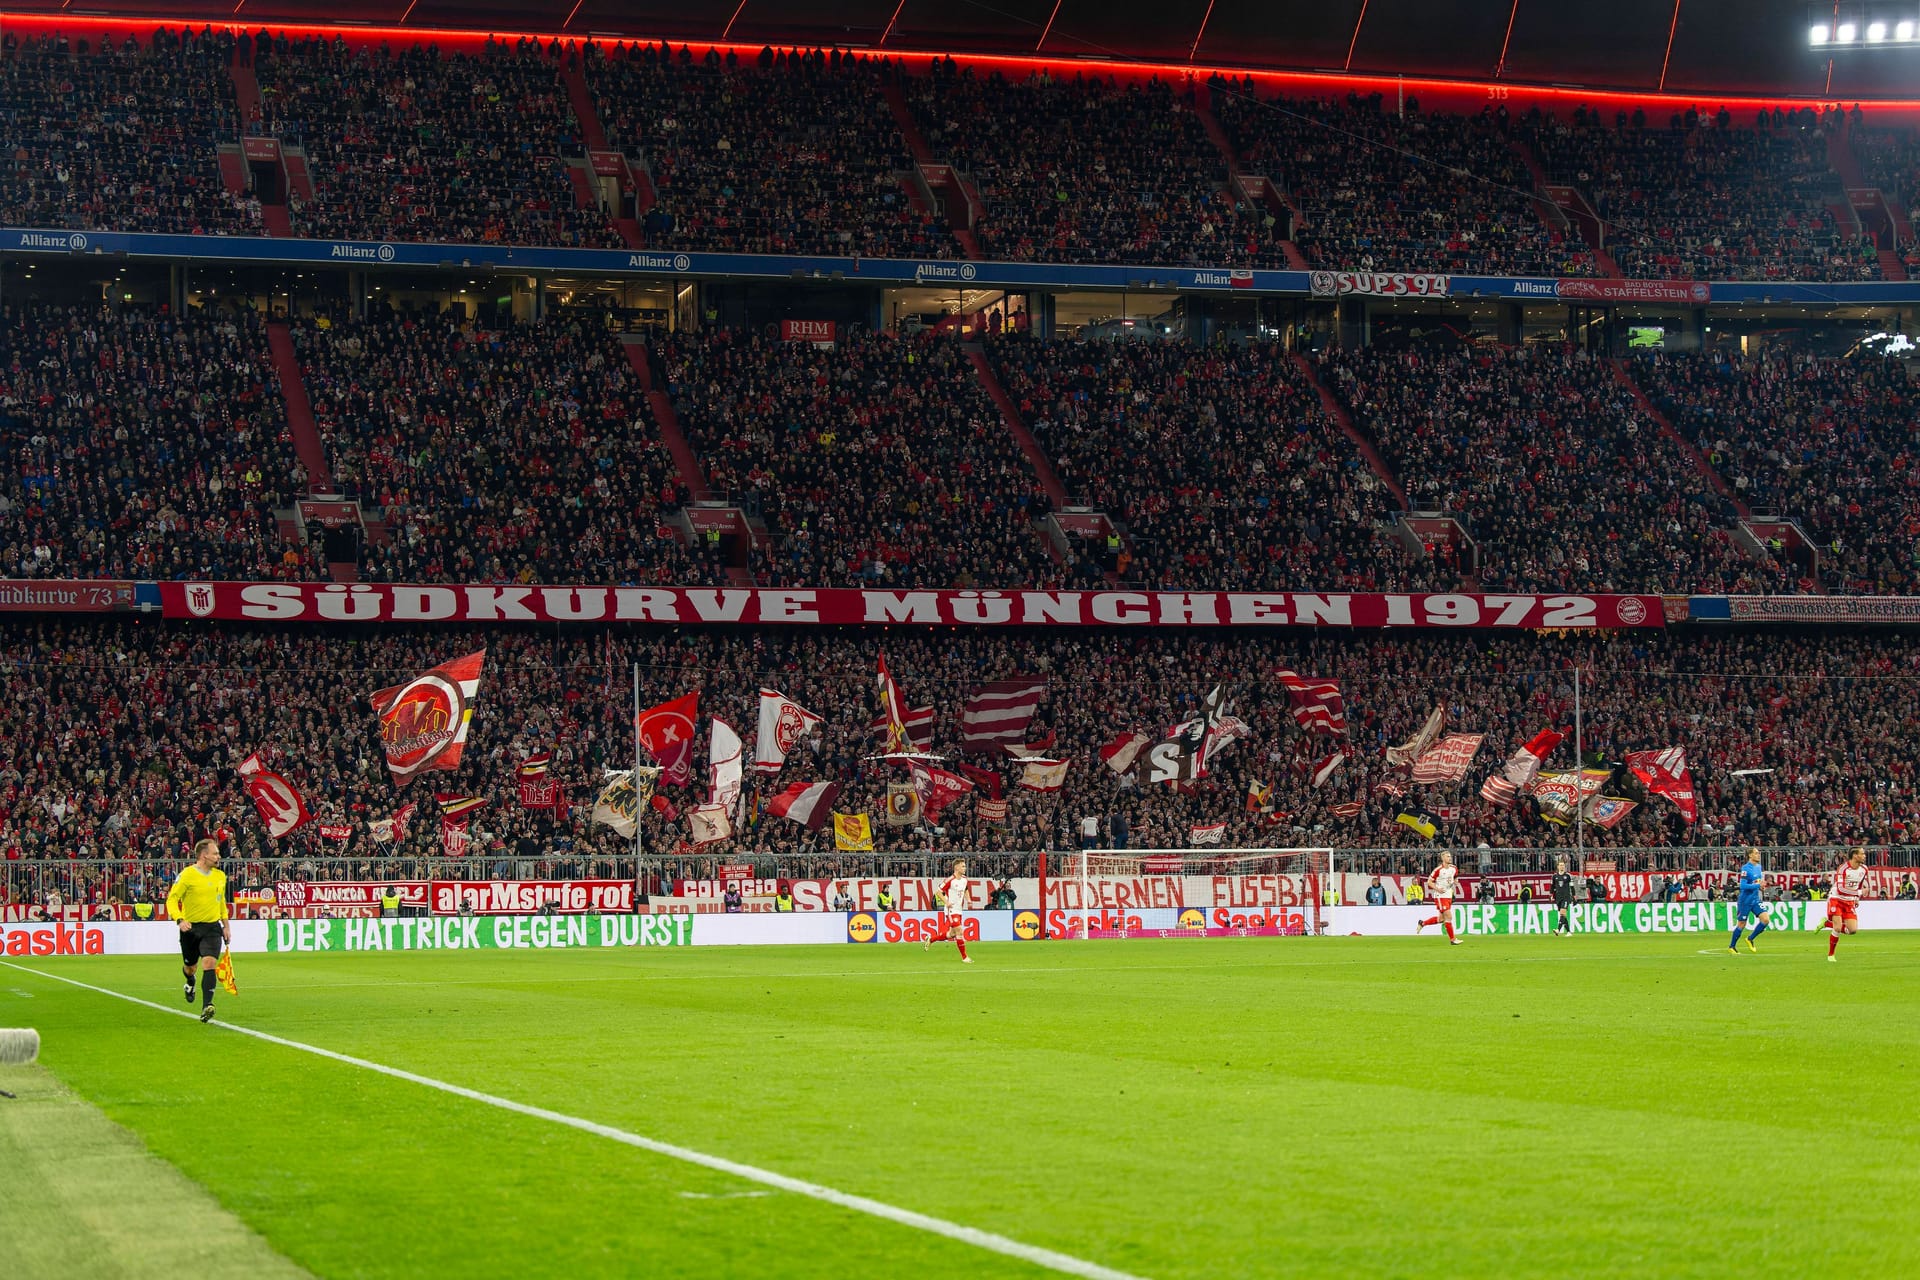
{"points": [[1065, 1264]]}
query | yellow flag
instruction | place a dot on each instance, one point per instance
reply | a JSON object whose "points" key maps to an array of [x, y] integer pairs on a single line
{"points": [[1419, 822], [224, 972], [852, 833]]}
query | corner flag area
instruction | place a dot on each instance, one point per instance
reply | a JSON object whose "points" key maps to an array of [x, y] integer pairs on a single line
{"points": [[1516, 1106]]}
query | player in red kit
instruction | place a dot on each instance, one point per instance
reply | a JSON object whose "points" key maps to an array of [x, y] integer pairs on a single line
{"points": [[954, 889], [1843, 906], [1442, 884]]}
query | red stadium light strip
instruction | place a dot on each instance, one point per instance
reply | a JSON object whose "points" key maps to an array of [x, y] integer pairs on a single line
{"points": [[1501, 65], [571, 12], [1047, 30], [1671, 28], [890, 21], [1310, 81], [411, 4], [728, 29], [1356, 35], [1194, 52]]}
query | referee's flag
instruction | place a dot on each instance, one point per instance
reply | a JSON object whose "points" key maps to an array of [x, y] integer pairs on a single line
{"points": [[224, 972]]}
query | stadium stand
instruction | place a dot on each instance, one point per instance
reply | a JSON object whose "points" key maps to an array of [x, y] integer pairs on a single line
{"points": [[498, 452], [142, 445], [104, 760], [789, 153], [108, 135], [421, 144]]}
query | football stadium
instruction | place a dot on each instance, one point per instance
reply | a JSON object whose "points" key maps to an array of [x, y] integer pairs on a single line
{"points": [[1036, 638]]}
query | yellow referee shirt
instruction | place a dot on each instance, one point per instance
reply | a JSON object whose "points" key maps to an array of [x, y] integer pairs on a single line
{"points": [[199, 896]]}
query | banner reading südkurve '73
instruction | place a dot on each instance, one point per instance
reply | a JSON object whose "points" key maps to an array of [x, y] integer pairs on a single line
{"points": [[480, 933], [1627, 917]]}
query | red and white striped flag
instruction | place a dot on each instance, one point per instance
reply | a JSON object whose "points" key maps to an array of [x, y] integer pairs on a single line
{"points": [[998, 712], [1524, 764], [1497, 790], [1317, 704], [918, 726], [806, 803], [1346, 809], [1327, 766]]}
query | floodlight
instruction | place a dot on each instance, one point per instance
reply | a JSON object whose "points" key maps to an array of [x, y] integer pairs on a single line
{"points": [[1846, 33], [1903, 30], [1876, 32], [1819, 34]]}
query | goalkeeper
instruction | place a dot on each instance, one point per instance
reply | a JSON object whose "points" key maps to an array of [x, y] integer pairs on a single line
{"points": [[1563, 899], [198, 901]]}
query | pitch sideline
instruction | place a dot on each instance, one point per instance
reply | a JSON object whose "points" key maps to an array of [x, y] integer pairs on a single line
{"points": [[1065, 1264]]}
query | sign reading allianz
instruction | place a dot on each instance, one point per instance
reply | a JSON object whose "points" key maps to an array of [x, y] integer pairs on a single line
{"points": [[847, 606]]}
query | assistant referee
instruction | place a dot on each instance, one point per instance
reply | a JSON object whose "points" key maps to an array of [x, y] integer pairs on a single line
{"points": [[198, 900]]}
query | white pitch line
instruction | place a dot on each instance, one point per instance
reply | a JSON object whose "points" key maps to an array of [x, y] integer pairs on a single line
{"points": [[1066, 1264]]}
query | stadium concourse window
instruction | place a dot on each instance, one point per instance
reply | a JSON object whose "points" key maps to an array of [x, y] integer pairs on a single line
{"points": [[114, 814]]}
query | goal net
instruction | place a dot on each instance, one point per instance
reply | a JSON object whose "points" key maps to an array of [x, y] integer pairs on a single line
{"points": [[1189, 892]]}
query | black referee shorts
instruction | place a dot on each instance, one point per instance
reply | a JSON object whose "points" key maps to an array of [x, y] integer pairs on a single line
{"points": [[201, 941]]}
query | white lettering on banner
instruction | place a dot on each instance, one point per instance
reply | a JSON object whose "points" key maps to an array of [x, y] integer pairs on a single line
{"points": [[846, 606]]}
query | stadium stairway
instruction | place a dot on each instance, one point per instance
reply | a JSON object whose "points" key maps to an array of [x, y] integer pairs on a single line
{"points": [[300, 424], [1338, 412], [1574, 205], [675, 436], [1548, 210], [594, 137], [1236, 171], [246, 91], [1623, 374], [922, 157], [1010, 415]]}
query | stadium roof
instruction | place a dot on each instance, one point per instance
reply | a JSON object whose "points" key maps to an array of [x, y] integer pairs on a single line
{"points": [[1681, 47]]}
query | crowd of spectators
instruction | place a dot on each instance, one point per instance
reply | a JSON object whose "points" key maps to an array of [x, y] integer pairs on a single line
{"points": [[876, 461], [496, 451], [1087, 169], [123, 736], [1889, 159], [1830, 443], [1560, 478], [427, 144], [116, 136], [142, 445], [1219, 460], [1706, 199], [1398, 189], [787, 153]]}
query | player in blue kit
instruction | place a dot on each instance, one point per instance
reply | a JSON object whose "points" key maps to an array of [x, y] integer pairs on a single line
{"points": [[1750, 906]]}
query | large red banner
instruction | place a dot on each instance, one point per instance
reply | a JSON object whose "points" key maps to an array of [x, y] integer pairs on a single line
{"points": [[829, 606], [298, 894], [1692, 292], [529, 897]]}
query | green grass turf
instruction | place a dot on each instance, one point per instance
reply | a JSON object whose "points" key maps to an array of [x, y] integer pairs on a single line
{"points": [[1512, 1107]]}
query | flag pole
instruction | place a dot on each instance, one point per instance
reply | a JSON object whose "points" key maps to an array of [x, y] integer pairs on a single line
{"points": [[639, 842], [1580, 776]]}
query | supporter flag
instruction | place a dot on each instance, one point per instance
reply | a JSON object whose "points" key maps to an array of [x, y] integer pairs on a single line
{"points": [[806, 803], [538, 788], [919, 729], [852, 833], [783, 722], [708, 824], [1043, 774], [1664, 772], [666, 731], [937, 788], [223, 972], [424, 723], [1416, 746], [903, 804], [455, 812], [998, 713], [987, 781], [725, 776], [1394, 784], [1317, 704], [1524, 764], [1346, 808], [389, 830], [1447, 760], [1207, 833], [1420, 822], [1558, 795], [1325, 767], [1120, 754], [619, 801], [1496, 790], [1194, 734], [340, 831], [281, 809], [1259, 796], [1608, 811], [1039, 744], [990, 810], [893, 709]]}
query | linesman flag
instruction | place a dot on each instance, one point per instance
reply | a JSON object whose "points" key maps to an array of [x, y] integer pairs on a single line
{"points": [[424, 722], [224, 973], [852, 833]]}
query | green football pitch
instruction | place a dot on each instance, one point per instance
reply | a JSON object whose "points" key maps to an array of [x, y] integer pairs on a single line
{"points": [[1511, 1107]]}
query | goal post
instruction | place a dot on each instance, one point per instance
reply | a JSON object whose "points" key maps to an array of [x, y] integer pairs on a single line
{"points": [[1279, 884]]}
